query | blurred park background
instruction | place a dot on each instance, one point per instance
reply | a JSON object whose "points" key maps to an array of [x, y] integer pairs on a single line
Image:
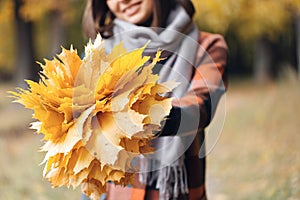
{"points": [[257, 155]]}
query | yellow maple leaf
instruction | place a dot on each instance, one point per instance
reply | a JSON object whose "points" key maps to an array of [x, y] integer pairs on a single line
{"points": [[96, 114]]}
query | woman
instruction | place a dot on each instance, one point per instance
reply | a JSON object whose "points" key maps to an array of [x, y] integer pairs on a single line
{"points": [[195, 59]]}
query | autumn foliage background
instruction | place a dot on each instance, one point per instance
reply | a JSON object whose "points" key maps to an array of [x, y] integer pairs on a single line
{"points": [[257, 153]]}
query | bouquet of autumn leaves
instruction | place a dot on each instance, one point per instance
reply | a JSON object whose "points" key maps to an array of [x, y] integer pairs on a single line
{"points": [[96, 114]]}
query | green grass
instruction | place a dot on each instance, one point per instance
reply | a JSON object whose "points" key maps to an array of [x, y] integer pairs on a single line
{"points": [[257, 155]]}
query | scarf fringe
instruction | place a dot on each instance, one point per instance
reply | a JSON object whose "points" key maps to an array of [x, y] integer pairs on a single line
{"points": [[171, 180]]}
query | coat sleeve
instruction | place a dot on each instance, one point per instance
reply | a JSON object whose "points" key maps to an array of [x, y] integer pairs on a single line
{"points": [[209, 82]]}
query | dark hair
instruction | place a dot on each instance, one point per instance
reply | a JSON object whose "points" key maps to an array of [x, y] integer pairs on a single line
{"points": [[97, 17]]}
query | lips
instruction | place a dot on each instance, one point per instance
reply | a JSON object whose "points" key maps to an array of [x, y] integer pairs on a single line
{"points": [[132, 8]]}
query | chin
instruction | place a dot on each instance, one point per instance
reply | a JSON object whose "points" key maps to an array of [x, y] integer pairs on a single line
{"points": [[136, 20]]}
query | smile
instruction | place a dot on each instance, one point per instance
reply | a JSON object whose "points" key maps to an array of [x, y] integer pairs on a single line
{"points": [[132, 9]]}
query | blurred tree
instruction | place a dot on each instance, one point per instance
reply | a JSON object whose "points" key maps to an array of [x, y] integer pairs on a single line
{"points": [[256, 22], [25, 66], [297, 22], [295, 10], [60, 14], [19, 43], [6, 41], [216, 15]]}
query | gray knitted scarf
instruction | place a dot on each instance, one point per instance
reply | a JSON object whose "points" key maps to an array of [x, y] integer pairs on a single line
{"points": [[180, 38]]}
